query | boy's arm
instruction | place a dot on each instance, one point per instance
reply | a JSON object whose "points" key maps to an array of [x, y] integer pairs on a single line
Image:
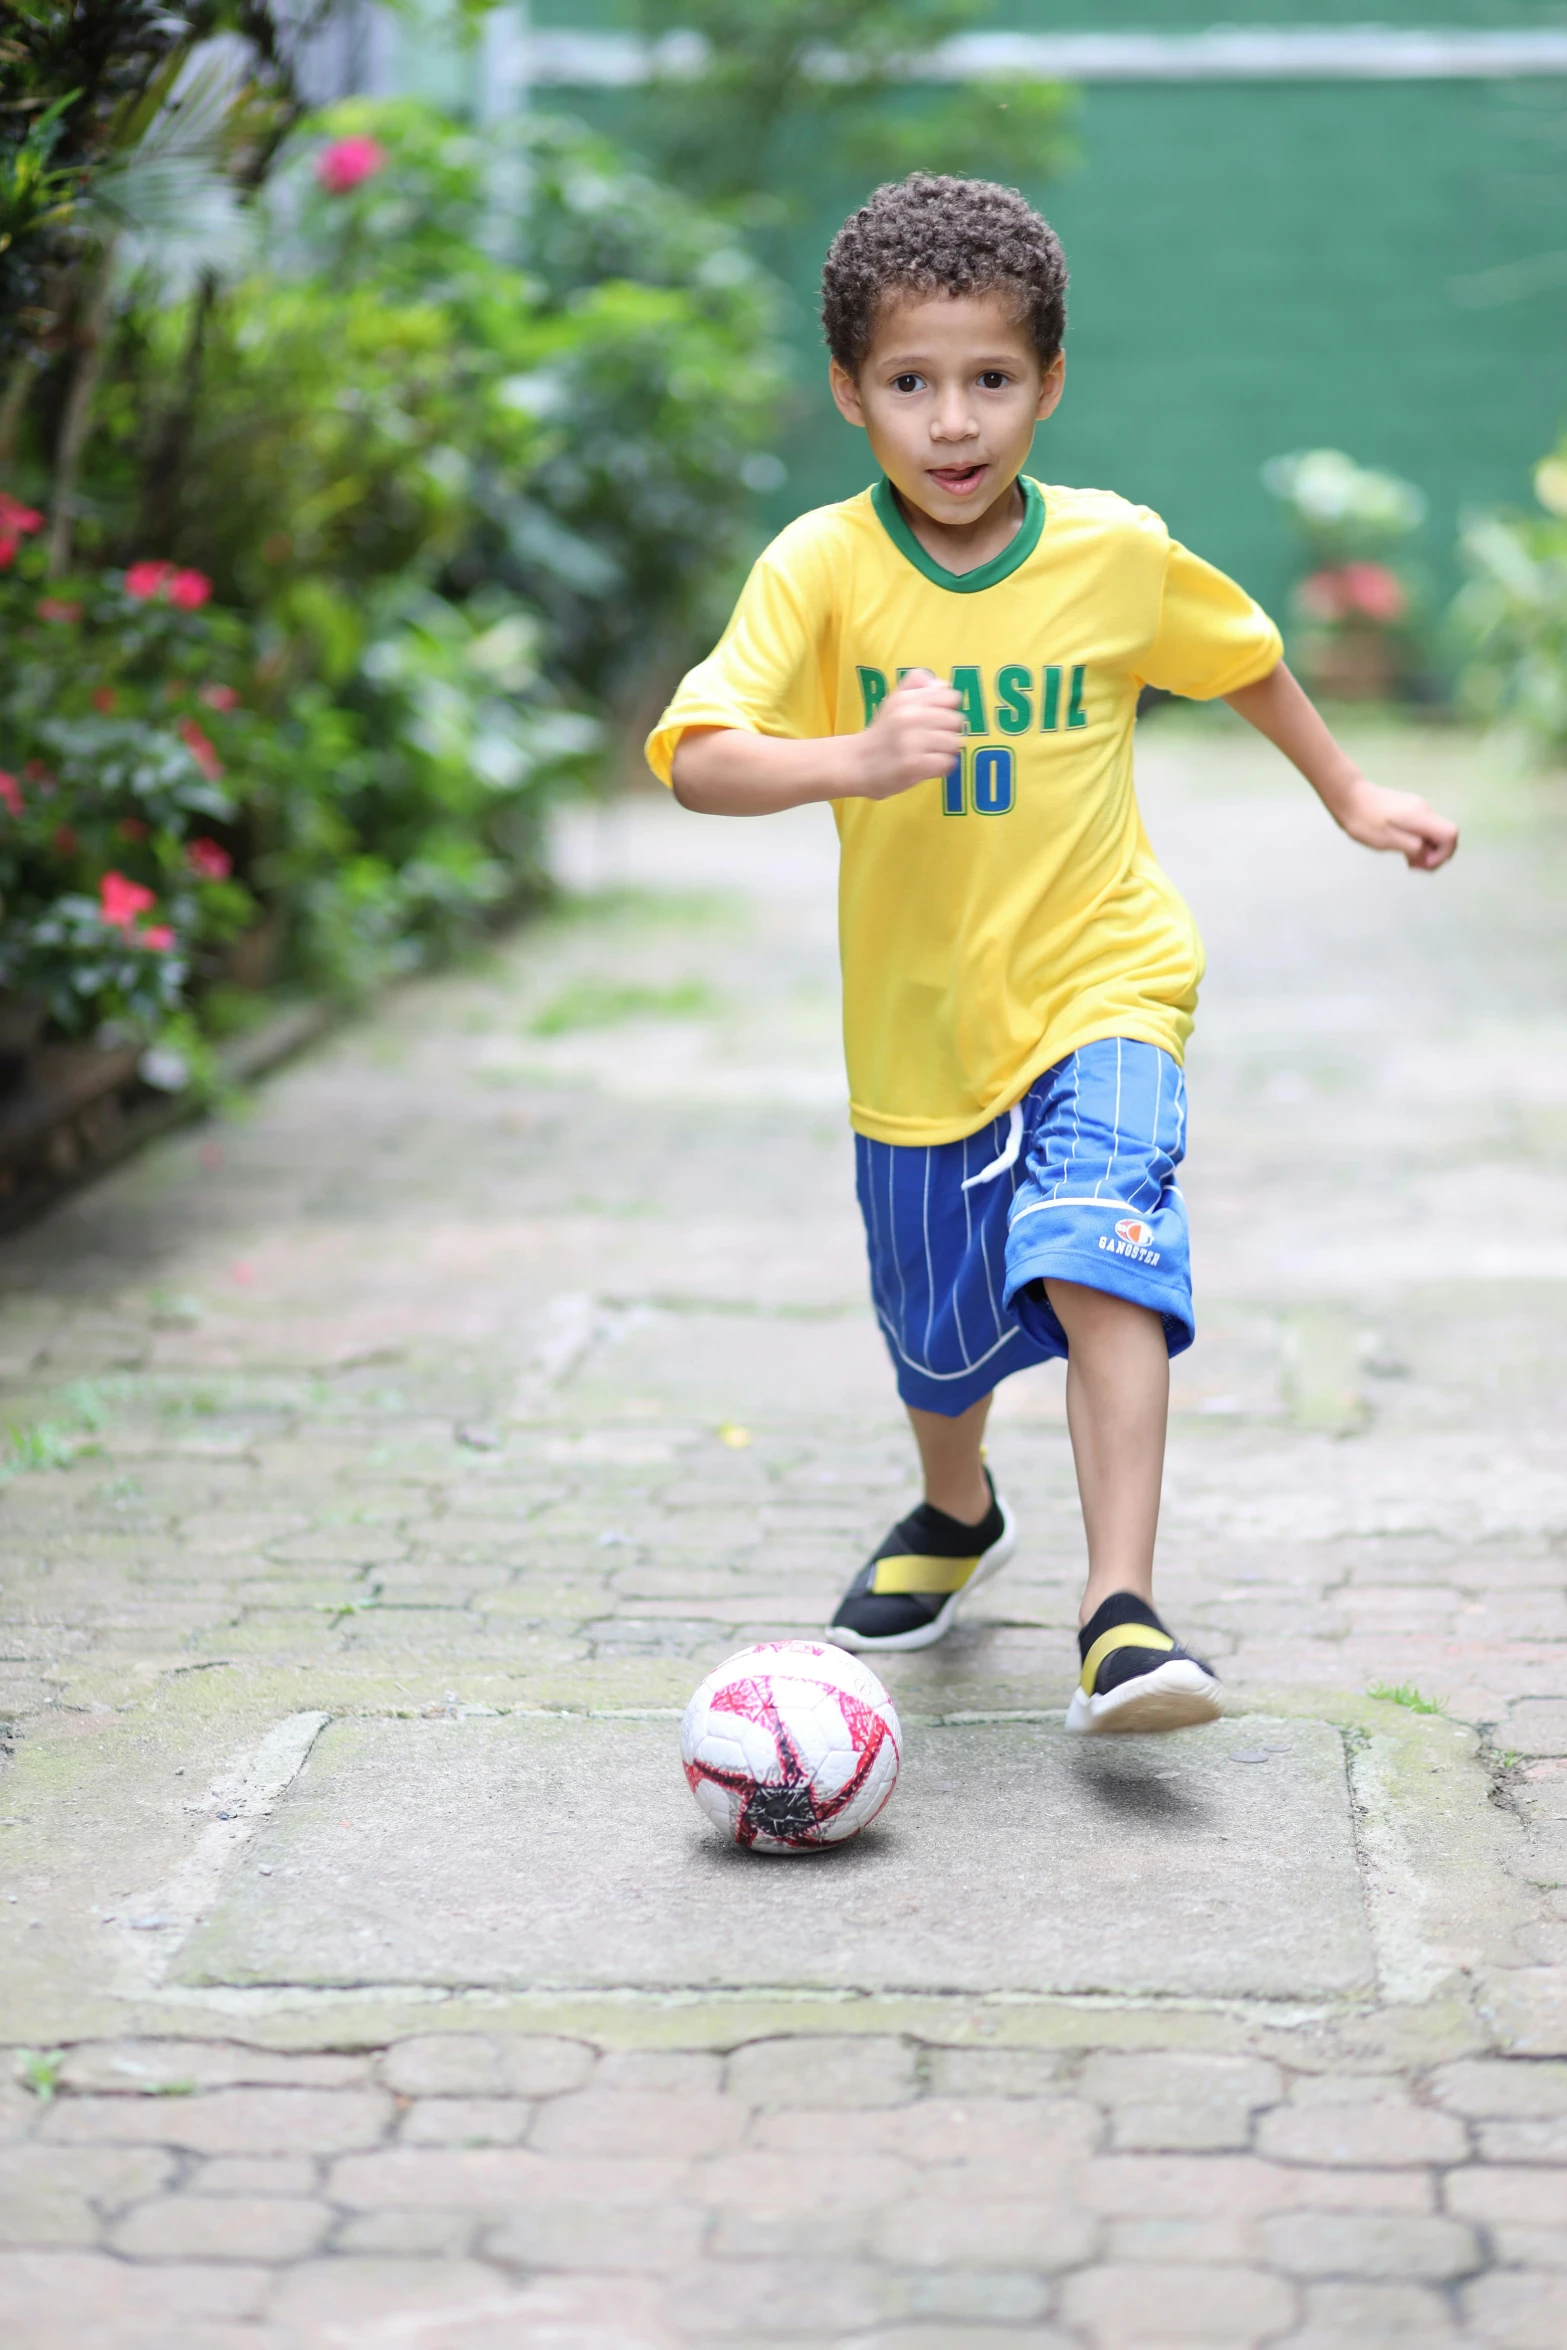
{"points": [[916, 734], [1278, 708]]}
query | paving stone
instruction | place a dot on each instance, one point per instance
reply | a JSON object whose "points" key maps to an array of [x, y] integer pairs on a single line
{"points": [[1382, 2131], [85, 2298], [954, 2231], [994, 2072], [631, 2121], [1170, 2101], [1134, 2307], [755, 2300], [262, 2174], [226, 2121], [494, 2178], [1507, 2311], [222, 2227], [1496, 2195], [464, 2064], [403, 2235], [580, 2236], [494, 1880], [936, 2336], [1538, 1725], [467, 2121], [667, 2072], [817, 2073], [1492, 2090], [1360, 2244], [474, 2306], [1343, 2317], [140, 2065]]}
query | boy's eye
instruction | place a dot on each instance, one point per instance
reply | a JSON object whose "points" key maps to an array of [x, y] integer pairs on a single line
{"points": [[907, 383], [994, 379]]}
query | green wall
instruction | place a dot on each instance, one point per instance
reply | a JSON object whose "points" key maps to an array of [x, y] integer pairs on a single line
{"points": [[1258, 267]]}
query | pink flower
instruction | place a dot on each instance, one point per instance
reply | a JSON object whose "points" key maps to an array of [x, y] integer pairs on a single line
{"points": [[220, 697], [187, 591], [209, 859], [159, 937], [348, 161], [16, 520], [104, 697], [51, 608], [200, 749], [145, 580], [1375, 591], [11, 793], [120, 900]]}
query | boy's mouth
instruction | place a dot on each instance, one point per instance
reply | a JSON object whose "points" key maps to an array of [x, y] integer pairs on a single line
{"points": [[959, 481]]}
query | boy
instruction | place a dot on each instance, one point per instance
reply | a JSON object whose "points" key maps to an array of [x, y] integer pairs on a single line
{"points": [[953, 660]]}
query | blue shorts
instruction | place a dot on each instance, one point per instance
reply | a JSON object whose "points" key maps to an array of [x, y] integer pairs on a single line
{"points": [[1086, 1193]]}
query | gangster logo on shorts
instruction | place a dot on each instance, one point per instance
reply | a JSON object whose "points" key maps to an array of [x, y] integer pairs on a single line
{"points": [[1130, 1239]]}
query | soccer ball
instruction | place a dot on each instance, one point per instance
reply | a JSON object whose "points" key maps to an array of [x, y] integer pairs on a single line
{"points": [[791, 1746]]}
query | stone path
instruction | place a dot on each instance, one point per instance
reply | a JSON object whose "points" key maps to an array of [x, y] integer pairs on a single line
{"points": [[390, 1460]]}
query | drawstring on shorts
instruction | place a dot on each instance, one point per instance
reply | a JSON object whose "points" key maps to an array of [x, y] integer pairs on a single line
{"points": [[1008, 1157]]}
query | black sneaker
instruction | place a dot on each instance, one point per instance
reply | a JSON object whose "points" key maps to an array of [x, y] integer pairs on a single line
{"points": [[909, 1590], [1136, 1675]]}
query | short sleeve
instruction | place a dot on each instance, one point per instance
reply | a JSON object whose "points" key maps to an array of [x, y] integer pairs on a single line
{"points": [[1211, 638], [764, 676]]}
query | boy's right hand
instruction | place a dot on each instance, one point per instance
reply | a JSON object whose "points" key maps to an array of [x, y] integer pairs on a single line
{"points": [[915, 736]]}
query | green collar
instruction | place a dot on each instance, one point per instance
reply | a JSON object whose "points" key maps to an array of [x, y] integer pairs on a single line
{"points": [[964, 583]]}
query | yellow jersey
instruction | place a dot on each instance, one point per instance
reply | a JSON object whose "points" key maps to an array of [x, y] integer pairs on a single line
{"points": [[994, 919]]}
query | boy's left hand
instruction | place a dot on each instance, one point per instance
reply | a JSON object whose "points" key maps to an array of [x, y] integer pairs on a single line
{"points": [[1398, 820]]}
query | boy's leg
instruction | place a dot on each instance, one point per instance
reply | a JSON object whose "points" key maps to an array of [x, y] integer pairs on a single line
{"points": [[1117, 1404], [1136, 1676], [951, 1458]]}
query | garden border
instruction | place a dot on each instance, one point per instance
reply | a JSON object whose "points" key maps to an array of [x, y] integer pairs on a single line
{"points": [[85, 1109]]}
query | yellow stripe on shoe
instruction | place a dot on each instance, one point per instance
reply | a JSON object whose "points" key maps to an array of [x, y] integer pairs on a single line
{"points": [[1120, 1636], [919, 1573]]}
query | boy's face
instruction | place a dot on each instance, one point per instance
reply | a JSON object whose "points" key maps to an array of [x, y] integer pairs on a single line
{"points": [[950, 392]]}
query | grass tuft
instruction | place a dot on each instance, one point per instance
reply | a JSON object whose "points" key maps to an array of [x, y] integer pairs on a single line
{"points": [[596, 1003], [1405, 1693]]}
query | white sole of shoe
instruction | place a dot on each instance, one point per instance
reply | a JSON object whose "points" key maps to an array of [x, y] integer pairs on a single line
{"points": [[1176, 1696], [991, 1562]]}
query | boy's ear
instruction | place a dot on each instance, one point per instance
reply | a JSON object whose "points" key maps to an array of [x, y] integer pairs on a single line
{"points": [[1051, 386], [846, 393]]}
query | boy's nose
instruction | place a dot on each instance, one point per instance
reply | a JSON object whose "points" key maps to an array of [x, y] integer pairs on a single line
{"points": [[954, 423]]}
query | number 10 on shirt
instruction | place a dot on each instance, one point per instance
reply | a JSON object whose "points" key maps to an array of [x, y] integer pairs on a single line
{"points": [[983, 778]]}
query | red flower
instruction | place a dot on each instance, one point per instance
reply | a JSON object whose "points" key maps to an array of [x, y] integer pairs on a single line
{"points": [[220, 697], [200, 749], [1375, 591], [189, 590], [131, 828], [120, 900], [36, 772], [11, 793], [51, 608], [348, 161], [144, 580], [159, 937], [16, 520], [104, 697], [209, 859], [65, 841]]}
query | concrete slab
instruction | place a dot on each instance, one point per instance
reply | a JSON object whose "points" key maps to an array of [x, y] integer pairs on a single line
{"points": [[528, 1852]]}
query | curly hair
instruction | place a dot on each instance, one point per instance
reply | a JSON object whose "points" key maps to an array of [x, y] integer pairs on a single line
{"points": [[931, 234]]}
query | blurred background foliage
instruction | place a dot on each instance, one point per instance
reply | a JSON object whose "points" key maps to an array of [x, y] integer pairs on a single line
{"points": [[364, 471]]}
